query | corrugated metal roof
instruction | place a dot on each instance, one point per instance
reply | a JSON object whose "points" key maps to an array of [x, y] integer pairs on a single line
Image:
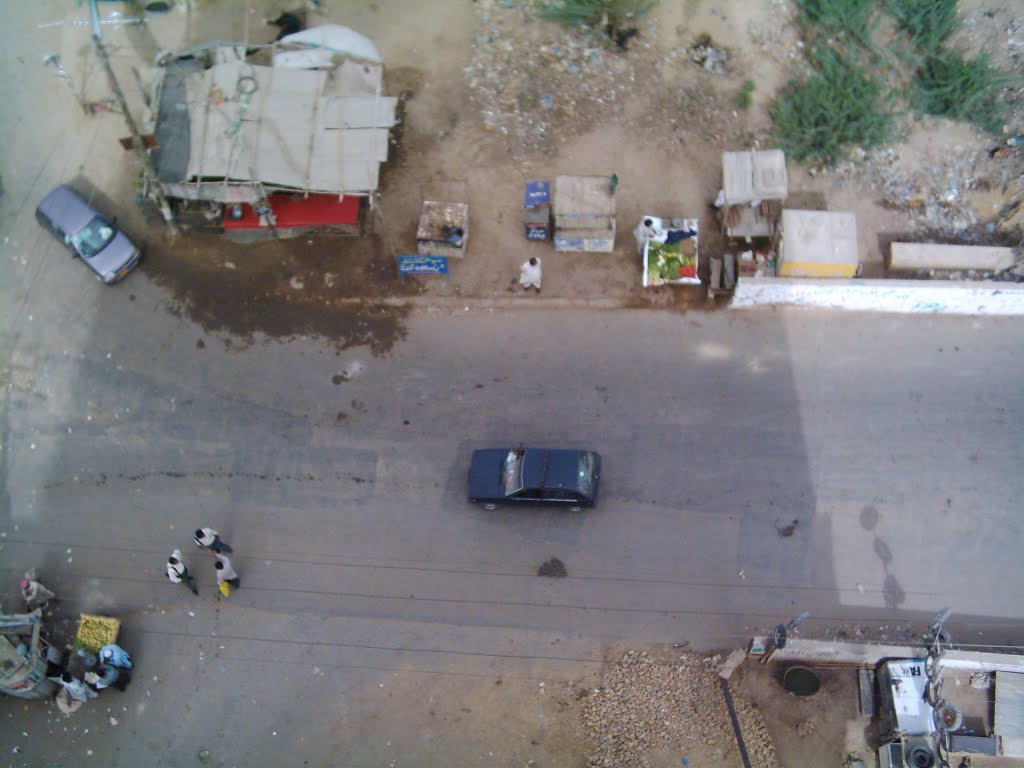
{"points": [[292, 129], [754, 175]]}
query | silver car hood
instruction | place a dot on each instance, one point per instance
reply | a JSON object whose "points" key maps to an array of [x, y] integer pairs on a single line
{"points": [[116, 255]]}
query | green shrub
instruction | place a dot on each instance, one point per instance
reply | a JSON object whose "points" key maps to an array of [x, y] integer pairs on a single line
{"points": [[836, 106], [947, 85], [615, 14], [928, 22], [835, 16], [743, 99]]}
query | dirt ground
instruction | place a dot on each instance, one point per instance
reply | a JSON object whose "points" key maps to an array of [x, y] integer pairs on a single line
{"points": [[653, 708], [493, 97]]}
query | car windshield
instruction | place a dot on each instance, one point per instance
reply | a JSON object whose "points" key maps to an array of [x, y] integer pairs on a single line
{"points": [[585, 474], [94, 237], [512, 476]]}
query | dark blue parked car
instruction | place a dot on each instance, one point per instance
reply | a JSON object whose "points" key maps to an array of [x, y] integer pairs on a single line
{"points": [[534, 476]]}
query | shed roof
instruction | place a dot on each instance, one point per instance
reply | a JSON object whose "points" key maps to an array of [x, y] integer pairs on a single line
{"points": [[584, 196], [819, 237], [302, 129], [1009, 708], [754, 175]]}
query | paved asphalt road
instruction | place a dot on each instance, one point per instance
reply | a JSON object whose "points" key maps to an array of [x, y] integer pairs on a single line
{"points": [[756, 464]]}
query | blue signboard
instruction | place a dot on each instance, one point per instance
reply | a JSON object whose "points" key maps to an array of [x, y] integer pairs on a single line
{"points": [[422, 265], [537, 193]]}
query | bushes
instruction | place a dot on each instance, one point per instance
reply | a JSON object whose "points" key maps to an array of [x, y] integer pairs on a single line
{"points": [[834, 16], [743, 98], [838, 104], [615, 15], [947, 85], [928, 23]]}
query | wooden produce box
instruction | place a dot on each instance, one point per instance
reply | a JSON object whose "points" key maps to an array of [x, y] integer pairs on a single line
{"points": [[435, 220]]}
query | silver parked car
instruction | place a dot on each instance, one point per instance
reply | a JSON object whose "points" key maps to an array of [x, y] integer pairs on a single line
{"points": [[87, 234]]}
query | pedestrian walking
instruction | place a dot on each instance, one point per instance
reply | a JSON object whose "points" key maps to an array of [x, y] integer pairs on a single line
{"points": [[210, 540], [529, 274], [115, 656], [226, 574], [76, 689], [35, 594], [178, 573]]}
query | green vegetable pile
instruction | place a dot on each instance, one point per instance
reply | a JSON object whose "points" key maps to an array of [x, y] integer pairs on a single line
{"points": [[664, 261]]}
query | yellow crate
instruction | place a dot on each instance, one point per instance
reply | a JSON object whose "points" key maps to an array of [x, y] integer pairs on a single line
{"points": [[96, 631]]}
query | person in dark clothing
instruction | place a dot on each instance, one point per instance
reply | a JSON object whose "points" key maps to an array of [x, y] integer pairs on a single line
{"points": [[290, 23]]}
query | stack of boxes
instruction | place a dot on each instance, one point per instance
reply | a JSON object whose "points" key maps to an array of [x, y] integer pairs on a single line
{"points": [[537, 210]]}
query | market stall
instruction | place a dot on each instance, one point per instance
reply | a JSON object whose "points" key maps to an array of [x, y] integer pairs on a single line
{"points": [[26, 659], [584, 208], [670, 250], [754, 187], [443, 229]]}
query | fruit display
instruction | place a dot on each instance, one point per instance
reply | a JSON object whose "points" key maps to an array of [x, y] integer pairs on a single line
{"points": [[96, 631]]}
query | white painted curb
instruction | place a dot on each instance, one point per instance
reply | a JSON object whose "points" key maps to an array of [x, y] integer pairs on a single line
{"points": [[901, 296]]}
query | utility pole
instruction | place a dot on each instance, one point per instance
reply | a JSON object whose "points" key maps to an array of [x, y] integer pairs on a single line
{"points": [[138, 145]]}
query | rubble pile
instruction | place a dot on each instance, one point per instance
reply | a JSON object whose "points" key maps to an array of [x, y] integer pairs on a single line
{"points": [[646, 703], [540, 84], [937, 197], [536, 85]]}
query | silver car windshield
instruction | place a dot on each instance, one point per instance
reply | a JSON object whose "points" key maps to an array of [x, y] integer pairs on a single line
{"points": [[93, 237], [512, 477]]}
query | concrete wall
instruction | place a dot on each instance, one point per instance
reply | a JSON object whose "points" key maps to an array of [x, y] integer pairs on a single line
{"points": [[902, 296], [914, 257]]}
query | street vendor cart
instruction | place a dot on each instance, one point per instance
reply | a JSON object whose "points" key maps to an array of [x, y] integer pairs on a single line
{"points": [[670, 250], [26, 660], [443, 229]]}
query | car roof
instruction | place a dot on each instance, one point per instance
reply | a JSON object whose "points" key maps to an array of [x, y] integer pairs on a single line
{"points": [[66, 209], [551, 468]]}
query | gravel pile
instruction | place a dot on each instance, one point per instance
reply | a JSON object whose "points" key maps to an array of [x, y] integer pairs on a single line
{"points": [[646, 703]]}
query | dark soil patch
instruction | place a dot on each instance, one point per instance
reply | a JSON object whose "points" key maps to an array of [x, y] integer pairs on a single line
{"points": [[786, 530], [553, 569], [325, 286]]}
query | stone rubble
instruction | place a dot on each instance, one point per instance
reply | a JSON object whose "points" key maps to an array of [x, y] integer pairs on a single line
{"points": [[646, 703]]}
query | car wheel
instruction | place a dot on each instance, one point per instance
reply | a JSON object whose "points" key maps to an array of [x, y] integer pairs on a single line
{"points": [[575, 509], [490, 507]]}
